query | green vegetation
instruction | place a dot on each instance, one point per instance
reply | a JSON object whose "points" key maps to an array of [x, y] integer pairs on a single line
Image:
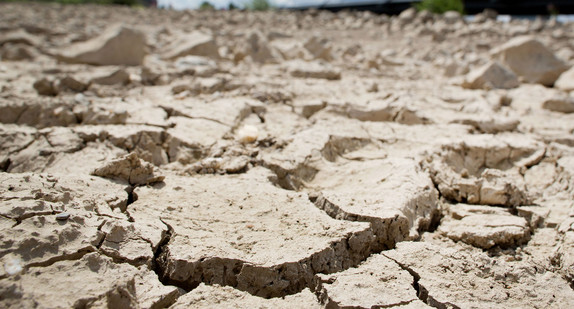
{"points": [[259, 5], [441, 6], [205, 5], [232, 6]]}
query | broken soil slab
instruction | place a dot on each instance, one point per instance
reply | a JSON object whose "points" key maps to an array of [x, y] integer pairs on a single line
{"points": [[37, 236], [315, 69], [294, 162], [129, 168], [117, 45], [531, 60], [462, 278], [146, 141], [491, 76], [484, 226], [242, 231], [394, 195], [484, 169], [102, 283], [190, 139], [26, 194], [379, 282], [195, 43], [216, 296]]}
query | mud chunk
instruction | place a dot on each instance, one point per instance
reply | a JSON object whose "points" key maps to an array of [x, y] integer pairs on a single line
{"points": [[117, 77], [487, 123], [302, 69], [381, 110], [490, 76], [484, 226], [319, 48], [566, 80], [47, 87], [129, 168], [17, 52], [242, 231], [101, 114], [459, 278], [210, 296], [531, 60], [73, 84], [379, 282], [561, 104], [257, 48], [452, 17], [195, 43], [19, 36], [117, 45]]}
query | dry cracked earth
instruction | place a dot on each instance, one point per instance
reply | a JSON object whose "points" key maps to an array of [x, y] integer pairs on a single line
{"points": [[200, 159]]}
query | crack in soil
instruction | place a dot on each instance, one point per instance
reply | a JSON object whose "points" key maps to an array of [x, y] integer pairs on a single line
{"points": [[422, 292]]}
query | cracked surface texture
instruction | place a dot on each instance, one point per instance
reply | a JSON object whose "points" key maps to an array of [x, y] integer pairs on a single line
{"points": [[174, 159]]}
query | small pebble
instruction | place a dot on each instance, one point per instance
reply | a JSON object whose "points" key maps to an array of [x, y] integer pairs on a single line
{"points": [[247, 134], [62, 216], [13, 266]]}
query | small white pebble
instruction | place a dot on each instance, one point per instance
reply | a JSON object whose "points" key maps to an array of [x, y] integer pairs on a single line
{"points": [[62, 216], [247, 134], [13, 266]]}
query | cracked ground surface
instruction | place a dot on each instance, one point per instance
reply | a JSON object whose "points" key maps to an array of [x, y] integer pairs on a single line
{"points": [[199, 159]]}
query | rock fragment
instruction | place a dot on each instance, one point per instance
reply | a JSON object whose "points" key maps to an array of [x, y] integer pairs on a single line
{"points": [[491, 76], [131, 169], [531, 60], [117, 45]]}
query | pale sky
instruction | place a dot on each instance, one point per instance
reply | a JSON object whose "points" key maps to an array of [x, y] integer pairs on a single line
{"points": [[193, 4]]}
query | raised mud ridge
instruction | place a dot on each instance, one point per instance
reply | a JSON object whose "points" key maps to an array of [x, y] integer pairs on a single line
{"points": [[207, 159]]}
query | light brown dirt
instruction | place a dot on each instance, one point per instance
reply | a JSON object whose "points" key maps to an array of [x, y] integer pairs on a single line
{"points": [[153, 158]]}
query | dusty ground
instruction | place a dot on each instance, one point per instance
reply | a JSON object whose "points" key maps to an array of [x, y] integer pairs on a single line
{"points": [[263, 160]]}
